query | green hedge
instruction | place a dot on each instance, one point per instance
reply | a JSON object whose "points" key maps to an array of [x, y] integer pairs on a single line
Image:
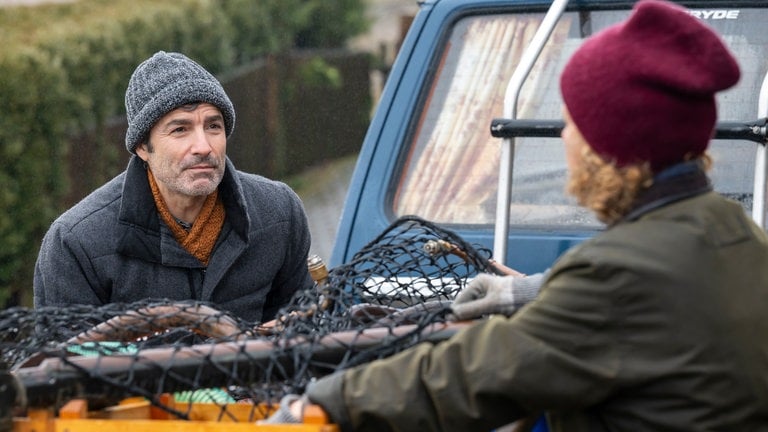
{"points": [[64, 68]]}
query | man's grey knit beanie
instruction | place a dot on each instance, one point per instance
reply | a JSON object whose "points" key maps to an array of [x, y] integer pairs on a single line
{"points": [[163, 83]]}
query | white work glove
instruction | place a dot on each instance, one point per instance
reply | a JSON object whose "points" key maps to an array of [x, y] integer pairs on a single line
{"points": [[489, 294], [283, 413]]}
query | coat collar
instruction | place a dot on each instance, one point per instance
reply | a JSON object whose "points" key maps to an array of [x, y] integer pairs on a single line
{"points": [[137, 207], [675, 183]]}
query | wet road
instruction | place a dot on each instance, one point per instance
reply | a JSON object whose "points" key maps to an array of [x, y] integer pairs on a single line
{"points": [[324, 188]]}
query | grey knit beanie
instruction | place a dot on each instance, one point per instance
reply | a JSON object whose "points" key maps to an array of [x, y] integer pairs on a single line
{"points": [[163, 83]]}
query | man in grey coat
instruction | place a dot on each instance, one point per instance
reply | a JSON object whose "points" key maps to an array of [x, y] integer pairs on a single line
{"points": [[656, 324], [180, 222]]}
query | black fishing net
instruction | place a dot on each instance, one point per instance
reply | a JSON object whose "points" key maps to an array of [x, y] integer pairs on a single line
{"points": [[392, 294]]}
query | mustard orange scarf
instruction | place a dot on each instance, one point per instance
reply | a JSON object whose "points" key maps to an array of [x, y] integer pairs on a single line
{"points": [[199, 241]]}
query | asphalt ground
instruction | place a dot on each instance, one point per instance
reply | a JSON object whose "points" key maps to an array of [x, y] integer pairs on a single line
{"points": [[323, 189]]}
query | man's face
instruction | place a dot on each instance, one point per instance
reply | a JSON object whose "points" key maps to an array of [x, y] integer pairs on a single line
{"points": [[186, 151]]}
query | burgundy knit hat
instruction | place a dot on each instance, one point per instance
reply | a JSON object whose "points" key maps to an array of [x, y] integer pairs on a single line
{"points": [[644, 89]]}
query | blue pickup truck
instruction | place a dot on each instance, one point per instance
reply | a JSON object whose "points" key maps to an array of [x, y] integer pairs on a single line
{"points": [[466, 133]]}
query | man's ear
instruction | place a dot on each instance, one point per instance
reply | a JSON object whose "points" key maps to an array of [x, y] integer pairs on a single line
{"points": [[141, 151]]}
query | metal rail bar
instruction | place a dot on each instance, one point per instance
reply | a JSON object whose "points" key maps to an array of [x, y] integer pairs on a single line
{"points": [[761, 163], [508, 128], [511, 96]]}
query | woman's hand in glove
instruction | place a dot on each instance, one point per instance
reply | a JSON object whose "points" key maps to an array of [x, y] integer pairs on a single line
{"points": [[291, 410], [489, 294]]}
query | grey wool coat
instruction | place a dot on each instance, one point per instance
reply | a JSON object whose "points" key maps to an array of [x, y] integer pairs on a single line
{"points": [[657, 324], [114, 247]]}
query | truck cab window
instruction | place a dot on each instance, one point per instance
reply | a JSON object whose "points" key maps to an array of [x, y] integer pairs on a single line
{"points": [[450, 173]]}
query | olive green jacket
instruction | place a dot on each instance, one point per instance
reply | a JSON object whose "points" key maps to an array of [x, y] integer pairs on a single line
{"points": [[659, 323]]}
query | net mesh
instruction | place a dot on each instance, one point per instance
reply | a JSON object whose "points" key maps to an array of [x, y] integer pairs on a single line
{"points": [[394, 293]]}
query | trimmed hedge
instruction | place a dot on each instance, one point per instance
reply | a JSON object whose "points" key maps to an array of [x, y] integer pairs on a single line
{"points": [[63, 71]]}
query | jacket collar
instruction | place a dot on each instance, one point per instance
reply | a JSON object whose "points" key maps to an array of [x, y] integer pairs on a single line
{"points": [[678, 182], [137, 208]]}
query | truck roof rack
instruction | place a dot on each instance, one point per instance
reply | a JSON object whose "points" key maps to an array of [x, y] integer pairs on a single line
{"points": [[509, 127]]}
